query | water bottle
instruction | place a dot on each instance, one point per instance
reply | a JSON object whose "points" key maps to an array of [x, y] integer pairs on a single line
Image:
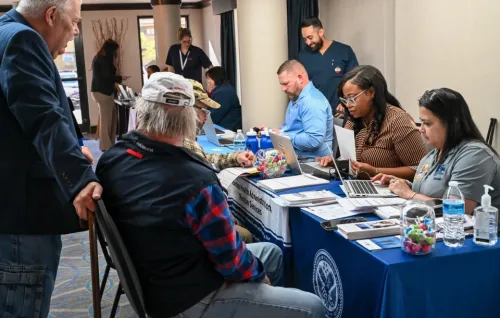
{"points": [[239, 142], [486, 221], [453, 213], [252, 142], [265, 141]]}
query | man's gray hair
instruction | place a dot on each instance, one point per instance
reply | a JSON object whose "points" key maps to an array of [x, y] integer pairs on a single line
{"points": [[35, 8], [166, 120]]}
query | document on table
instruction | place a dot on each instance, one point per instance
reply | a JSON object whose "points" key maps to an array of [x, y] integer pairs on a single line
{"points": [[330, 212], [227, 176], [292, 182], [368, 203], [347, 145]]}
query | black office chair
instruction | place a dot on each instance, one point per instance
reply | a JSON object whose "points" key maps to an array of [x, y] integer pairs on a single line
{"points": [[129, 280], [109, 265], [491, 131]]}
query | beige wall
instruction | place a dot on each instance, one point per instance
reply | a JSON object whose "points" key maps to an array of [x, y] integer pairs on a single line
{"points": [[211, 34], [367, 26], [131, 58], [450, 43]]}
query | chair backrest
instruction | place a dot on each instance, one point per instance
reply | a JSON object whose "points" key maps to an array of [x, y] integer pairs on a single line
{"points": [[122, 261]]}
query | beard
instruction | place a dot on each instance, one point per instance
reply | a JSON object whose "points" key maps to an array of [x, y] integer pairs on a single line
{"points": [[318, 45]]}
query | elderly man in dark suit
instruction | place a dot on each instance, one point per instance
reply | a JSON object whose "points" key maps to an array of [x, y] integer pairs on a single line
{"points": [[44, 176]]}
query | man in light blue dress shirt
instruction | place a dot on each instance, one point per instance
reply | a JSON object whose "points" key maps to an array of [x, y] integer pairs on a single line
{"points": [[309, 118]]}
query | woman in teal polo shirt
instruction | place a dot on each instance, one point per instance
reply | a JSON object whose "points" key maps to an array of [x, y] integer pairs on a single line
{"points": [[461, 153]]}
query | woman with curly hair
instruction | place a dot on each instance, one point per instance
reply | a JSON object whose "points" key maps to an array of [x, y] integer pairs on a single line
{"points": [[387, 139]]}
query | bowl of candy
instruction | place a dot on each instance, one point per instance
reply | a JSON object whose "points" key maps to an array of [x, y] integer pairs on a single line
{"points": [[418, 228], [270, 163]]}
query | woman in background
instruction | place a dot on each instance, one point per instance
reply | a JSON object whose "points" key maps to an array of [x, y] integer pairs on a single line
{"points": [[186, 59], [460, 154], [229, 114], [387, 139], [103, 88]]}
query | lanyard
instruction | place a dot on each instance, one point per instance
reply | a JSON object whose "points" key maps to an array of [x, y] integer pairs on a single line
{"points": [[183, 64]]}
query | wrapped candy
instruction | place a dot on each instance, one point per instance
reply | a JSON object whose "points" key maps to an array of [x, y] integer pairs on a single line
{"points": [[270, 163], [418, 234]]}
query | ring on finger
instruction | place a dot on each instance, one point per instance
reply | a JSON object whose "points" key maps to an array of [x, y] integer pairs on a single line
{"points": [[393, 180]]}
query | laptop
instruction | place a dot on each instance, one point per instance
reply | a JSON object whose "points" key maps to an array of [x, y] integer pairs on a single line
{"points": [[284, 144], [362, 188], [212, 137]]}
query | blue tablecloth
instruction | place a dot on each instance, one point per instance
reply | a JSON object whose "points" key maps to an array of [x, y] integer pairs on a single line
{"points": [[354, 282]]}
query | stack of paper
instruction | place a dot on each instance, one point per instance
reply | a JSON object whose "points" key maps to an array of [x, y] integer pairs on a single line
{"points": [[330, 212], [388, 212], [381, 243], [364, 230], [309, 198], [227, 176], [286, 183]]}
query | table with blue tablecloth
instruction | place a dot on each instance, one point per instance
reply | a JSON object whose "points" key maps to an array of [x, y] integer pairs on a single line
{"points": [[354, 282]]}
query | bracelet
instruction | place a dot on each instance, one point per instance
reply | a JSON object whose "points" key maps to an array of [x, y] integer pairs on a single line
{"points": [[376, 171], [413, 195]]}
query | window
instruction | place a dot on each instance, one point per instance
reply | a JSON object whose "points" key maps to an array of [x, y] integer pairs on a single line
{"points": [[147, 43], [71, 68]]}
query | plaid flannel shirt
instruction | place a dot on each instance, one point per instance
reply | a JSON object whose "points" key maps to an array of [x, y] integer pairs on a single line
{"points": [[210, 221], [221, 161]]}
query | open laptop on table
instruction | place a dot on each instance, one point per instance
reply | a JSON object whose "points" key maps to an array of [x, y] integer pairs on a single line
{"points": [[211, 134], [284, 144], [361, 188]]}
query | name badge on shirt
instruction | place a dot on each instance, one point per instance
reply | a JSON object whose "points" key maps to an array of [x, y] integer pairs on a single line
{"points": [[422, 172], [438, 175]]}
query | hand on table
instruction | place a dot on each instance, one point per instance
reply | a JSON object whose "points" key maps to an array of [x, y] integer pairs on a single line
{"points": [[266, 280], [357, 167], [245, 159], [325, 161], [125, 77], [383, 178]]}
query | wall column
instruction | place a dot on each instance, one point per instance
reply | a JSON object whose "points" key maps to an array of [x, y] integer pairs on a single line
{"points": [[263, 47], [167, 18]]}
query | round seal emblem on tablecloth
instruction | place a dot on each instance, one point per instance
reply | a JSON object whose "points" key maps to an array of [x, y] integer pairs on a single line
{"points": [[327, 283]]}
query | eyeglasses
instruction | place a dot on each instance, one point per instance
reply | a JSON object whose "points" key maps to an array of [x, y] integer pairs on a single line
{"points": [[203, 109], [350, 100], [186, 42]]}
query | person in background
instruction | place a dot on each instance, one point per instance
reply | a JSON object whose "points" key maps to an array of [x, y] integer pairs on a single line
{"points": [[44, 169], [186, 59], [326, 61], [221, 91], [219, 161], [460, 154], [387, 139], [152, 69], [104, 78], [171, 211], [308, 119]]}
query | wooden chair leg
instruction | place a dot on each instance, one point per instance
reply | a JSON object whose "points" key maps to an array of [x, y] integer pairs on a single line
{"points": [[94, 266], [97, 128]]}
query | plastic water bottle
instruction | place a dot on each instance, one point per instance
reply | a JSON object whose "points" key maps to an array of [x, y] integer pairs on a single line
{"points": [[486, 221], [239, 142], [265, 141], [453, 213], [252, 142]]}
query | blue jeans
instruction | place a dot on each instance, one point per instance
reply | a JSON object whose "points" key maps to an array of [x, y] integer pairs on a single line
{"points": [[249, 300], [28, 269]]}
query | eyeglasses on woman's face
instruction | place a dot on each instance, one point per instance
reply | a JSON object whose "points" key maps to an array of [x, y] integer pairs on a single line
{"points": [[350, 100]]}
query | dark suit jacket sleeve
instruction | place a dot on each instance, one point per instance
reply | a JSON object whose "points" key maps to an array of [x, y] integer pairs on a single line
{"points": [[28, 82]]}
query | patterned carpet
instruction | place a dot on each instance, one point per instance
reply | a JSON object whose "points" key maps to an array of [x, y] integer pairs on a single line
{"points": [[72, 295]]}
